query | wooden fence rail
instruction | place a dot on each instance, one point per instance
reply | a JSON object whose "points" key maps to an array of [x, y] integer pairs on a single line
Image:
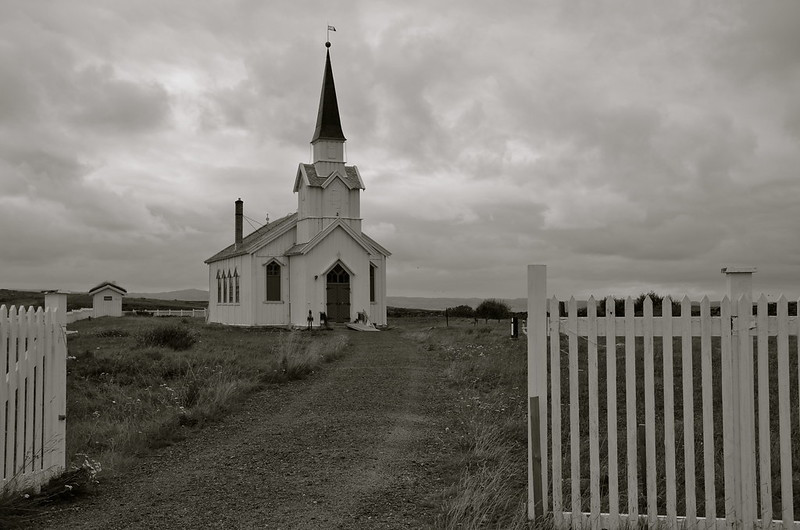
{"points": [[33, 355], [677, 419]]}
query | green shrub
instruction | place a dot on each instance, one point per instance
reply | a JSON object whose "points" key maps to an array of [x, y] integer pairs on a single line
{"points": [[463, 311], [494, 309], [111, 332], [168, 336]]}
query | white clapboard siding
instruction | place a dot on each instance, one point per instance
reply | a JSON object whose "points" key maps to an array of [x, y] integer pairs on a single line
{"points": [[742, 342], [32, 397]]}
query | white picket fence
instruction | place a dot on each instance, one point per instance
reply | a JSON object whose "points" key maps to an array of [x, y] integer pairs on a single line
{"points": [[635, 460], [33, 354], [197, 313], [79, 314]]}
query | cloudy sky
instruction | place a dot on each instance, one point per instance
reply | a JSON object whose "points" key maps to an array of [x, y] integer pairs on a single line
{"points": [[629, 146]]}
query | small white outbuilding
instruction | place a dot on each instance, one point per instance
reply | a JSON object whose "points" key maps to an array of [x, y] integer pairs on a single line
{"points": [[107, 299]]}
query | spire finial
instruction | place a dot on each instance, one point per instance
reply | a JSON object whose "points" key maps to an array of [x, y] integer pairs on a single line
{"points": [[328, 44]]}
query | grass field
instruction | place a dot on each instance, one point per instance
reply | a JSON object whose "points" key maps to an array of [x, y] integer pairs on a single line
{"points": [[130, 390], [487, 370]]}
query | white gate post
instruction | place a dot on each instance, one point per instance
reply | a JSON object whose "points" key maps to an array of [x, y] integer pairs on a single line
{"points": [[740, 293], [740, 282], [537, 391], [57, 301]]}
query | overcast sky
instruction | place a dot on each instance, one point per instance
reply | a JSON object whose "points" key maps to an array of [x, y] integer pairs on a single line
{"points": [[629, 146]]}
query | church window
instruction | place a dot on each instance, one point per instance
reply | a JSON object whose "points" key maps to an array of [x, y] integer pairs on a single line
{"points": [[273, 282], [230, 287], [338, 275], [235, 286], [224, 288], [219, 288], [372, 283]]}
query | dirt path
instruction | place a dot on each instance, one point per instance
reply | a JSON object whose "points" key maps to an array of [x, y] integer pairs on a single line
{"points": [[355, 446]]}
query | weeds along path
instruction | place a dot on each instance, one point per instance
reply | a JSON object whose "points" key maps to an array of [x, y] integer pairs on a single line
{"points": [[355, 446]]}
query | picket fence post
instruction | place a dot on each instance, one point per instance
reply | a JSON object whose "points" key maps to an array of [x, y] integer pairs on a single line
{"points": [[537, 391], [742, 468]]}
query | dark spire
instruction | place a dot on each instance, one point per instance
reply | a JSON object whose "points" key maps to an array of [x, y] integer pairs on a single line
{"points": [[329, 126]]}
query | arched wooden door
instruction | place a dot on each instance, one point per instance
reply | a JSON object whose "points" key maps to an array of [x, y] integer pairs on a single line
{"points": [[338, 295]]}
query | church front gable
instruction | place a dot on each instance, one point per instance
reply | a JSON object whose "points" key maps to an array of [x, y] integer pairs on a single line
{"points": [[337, 248]]}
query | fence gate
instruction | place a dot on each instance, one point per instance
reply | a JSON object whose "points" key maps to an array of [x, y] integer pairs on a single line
{"points": [[677, 412], [33, 355]]}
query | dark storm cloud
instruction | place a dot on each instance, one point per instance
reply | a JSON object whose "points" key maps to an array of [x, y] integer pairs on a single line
{"points": [[628, 145]]}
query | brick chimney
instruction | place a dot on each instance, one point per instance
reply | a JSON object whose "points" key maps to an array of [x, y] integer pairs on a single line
{"points": [[239, 218]]}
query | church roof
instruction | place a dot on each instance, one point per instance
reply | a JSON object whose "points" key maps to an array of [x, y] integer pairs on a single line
{"points": [[366, 242], [329, 126], [379, 248], [351, 177], [257, 239]]}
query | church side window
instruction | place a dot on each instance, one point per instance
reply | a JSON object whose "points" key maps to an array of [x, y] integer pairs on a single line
{"points": [[273, 282], [372, 283], [235, 286], [219, 288], [230, 287], [224, 288]]}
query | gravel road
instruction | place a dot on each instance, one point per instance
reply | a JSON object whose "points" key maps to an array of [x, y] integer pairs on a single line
{"points": [[354, 446]]}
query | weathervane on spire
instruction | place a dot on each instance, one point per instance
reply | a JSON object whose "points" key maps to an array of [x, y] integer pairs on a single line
{"points": [[328, 36]]}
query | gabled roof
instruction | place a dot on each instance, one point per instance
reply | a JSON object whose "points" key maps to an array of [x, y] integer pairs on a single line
{"points": [[305, 248], [329, 126], [257, 239], [307, 173], [107, 285]]}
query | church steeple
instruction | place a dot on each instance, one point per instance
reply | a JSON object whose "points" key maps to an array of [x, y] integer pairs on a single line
{"points": [[328, 139]]}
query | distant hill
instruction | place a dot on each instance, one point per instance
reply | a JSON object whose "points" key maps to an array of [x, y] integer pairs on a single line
{"points": [[189, 295], [410, 302]]}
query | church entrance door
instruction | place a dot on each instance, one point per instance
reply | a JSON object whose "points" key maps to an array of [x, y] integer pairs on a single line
{"points": [[338, 295]]}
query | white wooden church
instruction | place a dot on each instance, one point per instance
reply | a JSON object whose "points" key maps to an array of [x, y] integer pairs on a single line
{"points": [[314, 261]]}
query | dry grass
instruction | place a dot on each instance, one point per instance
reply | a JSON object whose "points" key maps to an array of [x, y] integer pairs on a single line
{"points": [[486, 371], [126, 396]]}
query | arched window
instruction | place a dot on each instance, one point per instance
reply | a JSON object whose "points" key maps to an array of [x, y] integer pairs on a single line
{"points": [[273, 282], [224, 288], [230, 287], [235, 286], [338, 275], [219, 287]]}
